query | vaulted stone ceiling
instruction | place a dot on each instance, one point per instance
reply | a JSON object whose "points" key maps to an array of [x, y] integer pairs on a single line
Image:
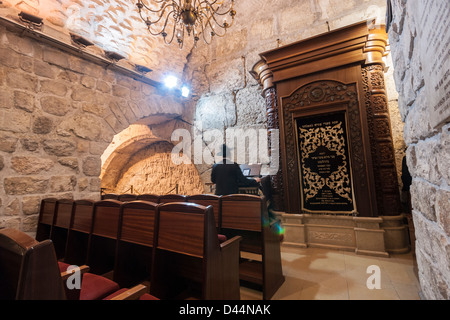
{"points": [[113, 25]]}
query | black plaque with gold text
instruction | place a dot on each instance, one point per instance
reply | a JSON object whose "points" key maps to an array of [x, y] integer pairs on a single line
{"points": [[325, 170]]}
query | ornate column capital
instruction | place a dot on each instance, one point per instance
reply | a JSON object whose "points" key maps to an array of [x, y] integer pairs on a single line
{"points": [[263, 75], [375, 46]]}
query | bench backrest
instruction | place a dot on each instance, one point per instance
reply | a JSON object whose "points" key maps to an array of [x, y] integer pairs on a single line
{"points": [[127, 197], [186, 248], [29, 268], [243, 212], [103, 237], [135, 243], [166, 198], [46, 218], [79, 231], [148, 197], [208, 200]]}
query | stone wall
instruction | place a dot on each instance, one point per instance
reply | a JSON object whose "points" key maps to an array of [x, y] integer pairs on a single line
{"points": [[420, 43], [58, 113]]}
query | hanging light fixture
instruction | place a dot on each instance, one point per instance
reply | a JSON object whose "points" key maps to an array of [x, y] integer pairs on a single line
{"points": [[198, 18]]}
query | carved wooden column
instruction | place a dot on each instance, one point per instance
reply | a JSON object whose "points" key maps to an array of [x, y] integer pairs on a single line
{"points": [[379, 127], [263, 75]]}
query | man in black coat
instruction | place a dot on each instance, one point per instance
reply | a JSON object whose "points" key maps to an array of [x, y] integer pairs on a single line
{"points": [[228, 177]]}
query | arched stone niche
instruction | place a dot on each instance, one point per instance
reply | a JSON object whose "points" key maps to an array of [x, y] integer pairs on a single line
{"points": [[139, 161]]}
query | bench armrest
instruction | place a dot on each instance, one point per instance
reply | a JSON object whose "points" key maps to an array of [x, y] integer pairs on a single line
{"points": [[230, 242], [82, 269], [132, 294]]}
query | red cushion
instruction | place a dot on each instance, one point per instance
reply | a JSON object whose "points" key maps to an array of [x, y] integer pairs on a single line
{"points": [[63, 266], [222, 238], [147, 296], [95, 287]]}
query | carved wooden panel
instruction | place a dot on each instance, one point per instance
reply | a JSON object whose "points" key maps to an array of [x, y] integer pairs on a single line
{"points": [[313, 97]]}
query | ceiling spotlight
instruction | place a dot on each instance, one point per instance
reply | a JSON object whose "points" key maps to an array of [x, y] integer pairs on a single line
{"points": [[170, 82], [185, 91], [32, 20], [81, 41], [114, 55]]}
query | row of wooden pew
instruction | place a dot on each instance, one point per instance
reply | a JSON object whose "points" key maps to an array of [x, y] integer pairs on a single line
{"points": [[242, 215], [177, 243], [30, 271]]}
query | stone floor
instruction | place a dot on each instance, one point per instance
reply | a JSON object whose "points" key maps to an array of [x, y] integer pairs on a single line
{"points": [[322, 274]]}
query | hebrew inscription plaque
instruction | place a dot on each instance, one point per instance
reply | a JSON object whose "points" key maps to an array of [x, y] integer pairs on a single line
{"points": [[325, 169]]}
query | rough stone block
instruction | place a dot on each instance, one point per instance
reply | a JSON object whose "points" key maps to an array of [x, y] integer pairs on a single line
{"points": [[120, 91], [70, 162], [59, 147], [42, 125], [56, 57], [8, 143], [29, 144], [423, 198], [6, 99], [81, 93], [103, 86], [8, 58], [44, 69], [25, 185], [63, 183], [85, 126], [30, 165], [19, 80], [18, 121], [443, 210], [88, 82], [54, 105], [54, 87], [31, 205], [24, 101], [92, 166]]}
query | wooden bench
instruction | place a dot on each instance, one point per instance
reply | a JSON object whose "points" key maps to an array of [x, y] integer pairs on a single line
{"points": [[103, 236], [166, 198], [148, 197], [110, 196], [30, 271], [247, 216], [61, 225], [188, 261], [127, 197], [208, 200], [46, 218], [135, 243], [79, 231]]}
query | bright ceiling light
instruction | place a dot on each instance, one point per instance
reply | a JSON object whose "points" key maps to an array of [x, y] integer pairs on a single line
{"points": [[185, 91], [171, 82]]}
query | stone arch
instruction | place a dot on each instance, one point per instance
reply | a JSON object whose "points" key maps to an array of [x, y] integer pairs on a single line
{"points": [[140, 156]]}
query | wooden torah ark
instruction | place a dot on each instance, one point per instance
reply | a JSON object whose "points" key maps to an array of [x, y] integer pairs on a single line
{"points": [[326, 95]]}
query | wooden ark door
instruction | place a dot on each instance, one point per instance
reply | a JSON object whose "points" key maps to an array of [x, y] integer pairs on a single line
{"points": [[324, 160]]}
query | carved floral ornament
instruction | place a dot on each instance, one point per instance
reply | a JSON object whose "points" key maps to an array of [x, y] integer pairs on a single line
{"points": [[322, 92]]}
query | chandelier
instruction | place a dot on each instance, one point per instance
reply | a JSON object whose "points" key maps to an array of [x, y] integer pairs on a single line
{"points": [[198, 18]]}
